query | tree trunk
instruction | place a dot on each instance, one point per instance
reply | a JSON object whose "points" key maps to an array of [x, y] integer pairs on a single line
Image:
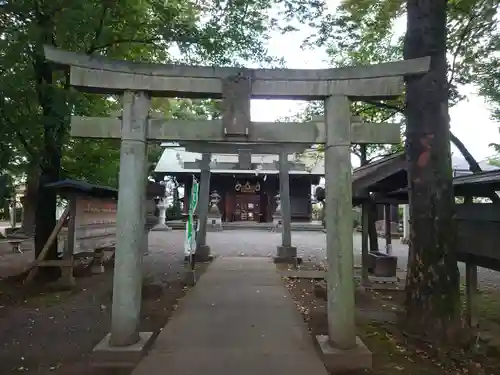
{"points": [[54, 119], [432, 284], [30, 198]]}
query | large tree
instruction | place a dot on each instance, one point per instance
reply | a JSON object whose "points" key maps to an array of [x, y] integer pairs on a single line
{"points": [[432, 285]]}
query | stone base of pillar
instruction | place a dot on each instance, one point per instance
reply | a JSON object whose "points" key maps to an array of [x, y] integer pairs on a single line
{"points": [[340, 361], [105, 355], [161, 228], [287, 254], [203, 254]]}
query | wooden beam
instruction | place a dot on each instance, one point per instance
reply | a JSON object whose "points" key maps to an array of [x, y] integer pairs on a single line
{"points": [[48, 244], [213, 131]]}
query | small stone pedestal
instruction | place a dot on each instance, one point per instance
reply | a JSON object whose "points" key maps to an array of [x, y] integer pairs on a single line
{"points": [[105, 355], [339, 360], [287, 254], [161, 226]]}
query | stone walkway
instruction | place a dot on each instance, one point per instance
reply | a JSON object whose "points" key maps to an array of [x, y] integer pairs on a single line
{"points": [[239, 319]]}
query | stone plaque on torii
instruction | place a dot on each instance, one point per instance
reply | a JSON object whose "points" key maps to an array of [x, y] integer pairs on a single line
{"points": [[138, 82]]}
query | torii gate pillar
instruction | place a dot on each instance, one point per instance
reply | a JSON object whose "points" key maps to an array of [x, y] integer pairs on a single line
{"points": [[286, 253], [127, 283], [202, 249]]}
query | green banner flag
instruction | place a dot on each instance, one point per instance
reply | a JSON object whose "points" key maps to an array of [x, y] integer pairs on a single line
{"points": [[190, 237]]}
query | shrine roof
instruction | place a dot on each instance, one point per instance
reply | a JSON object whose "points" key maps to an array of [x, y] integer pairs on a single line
{"points": [[173, 158], [475, 184], [83, 188]]}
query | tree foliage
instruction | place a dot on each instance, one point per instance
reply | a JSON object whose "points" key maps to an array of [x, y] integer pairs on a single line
{"points": [[364, 32]]}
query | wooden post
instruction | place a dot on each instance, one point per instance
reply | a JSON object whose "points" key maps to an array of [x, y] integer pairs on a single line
{"points": [[471, 287], [406, 223], [340, 277], [387, 229], [364, 228], [67, 278]]}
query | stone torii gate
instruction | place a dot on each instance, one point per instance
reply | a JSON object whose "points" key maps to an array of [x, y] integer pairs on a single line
{"points": [[286, 253], [137, 82]]}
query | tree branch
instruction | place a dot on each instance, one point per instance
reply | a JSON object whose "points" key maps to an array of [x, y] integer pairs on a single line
{"points": [[473, 164], [385, 106], [29, 150], [99, 29], [461, 41], [123, 41]]}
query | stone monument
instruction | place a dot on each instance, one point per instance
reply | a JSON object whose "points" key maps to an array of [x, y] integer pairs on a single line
{"points": [[214, 217]]}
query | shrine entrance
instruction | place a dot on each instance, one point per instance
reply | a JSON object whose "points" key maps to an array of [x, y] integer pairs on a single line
{"points": [[338, 130], [247, 200], [247, 207]]}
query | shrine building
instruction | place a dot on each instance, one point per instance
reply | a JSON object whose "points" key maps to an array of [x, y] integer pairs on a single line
{"points": [[246, 194]]}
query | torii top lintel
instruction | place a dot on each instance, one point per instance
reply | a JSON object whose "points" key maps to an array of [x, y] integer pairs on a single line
{"points": [[103, 75]]}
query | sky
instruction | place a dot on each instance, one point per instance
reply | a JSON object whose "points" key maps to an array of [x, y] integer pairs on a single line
{"points": [[470, 119]]}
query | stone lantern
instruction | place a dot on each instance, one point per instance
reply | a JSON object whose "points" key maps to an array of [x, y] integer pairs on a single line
{"points": [[214, 219], [162, 211]]}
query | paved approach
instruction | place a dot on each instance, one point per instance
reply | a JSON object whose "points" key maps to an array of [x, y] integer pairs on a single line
{"points": [[239, 319]]}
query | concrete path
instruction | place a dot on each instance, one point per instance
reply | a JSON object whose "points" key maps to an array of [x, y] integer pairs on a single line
{"points": [[239, 319]]}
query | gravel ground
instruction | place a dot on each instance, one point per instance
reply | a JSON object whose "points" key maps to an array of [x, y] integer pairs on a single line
{"points": [[51, 333], [311, 247]]}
